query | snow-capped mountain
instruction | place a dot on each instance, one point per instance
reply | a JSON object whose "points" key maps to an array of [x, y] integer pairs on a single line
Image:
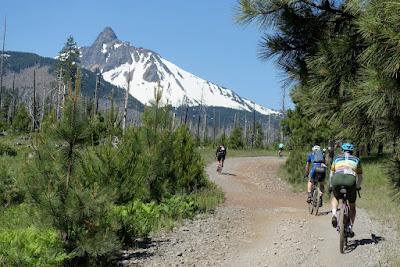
{"points": [[115, 59]]}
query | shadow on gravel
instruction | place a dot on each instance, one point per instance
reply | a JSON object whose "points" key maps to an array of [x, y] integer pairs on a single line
{"points": [[353, 244], [139, 249], [228, 174], [324, 213]]}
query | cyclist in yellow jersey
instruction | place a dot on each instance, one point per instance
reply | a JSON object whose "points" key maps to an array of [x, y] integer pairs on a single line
{"points": [[345, 171]]}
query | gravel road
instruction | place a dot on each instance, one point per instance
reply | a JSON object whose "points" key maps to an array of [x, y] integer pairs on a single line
{"points": [[263, 223]]}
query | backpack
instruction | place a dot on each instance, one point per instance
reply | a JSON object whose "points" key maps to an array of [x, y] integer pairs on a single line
{"points": [[318, 157]]}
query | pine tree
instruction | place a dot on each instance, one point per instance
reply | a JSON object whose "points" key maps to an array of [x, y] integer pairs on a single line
{"points": [[21, 120], [236, 139], [72, 200], [68, 64]]}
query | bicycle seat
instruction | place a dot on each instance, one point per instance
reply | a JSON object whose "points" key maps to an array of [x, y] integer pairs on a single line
{"points": [[343, 190]]}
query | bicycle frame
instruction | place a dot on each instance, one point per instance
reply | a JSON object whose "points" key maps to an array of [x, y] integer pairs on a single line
{"points": [[314, 205], [345, 212]]}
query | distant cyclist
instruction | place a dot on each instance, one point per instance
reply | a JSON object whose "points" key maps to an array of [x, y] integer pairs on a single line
{"points": [[221, 154], [315, 171], [345, 171], [280, 149], [331, 153]]}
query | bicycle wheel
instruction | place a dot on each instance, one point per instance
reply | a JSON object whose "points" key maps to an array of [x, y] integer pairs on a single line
{"points": [[311, 204], [219, 168], [316, 199], [342, 229]]}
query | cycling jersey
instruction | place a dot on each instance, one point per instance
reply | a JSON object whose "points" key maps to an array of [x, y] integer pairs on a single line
{"points": [[319, 167], [221, 152], [346, 164]]}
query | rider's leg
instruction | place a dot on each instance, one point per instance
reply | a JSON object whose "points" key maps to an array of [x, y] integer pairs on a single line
{"points": [[353, 211], [322, 188], [309, 187], [334, 204]]}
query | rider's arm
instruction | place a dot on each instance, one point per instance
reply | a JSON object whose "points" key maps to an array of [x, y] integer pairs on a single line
{"points": [[359, 175], [331, 173], [307, 168], [359, 180], [308, 162]]}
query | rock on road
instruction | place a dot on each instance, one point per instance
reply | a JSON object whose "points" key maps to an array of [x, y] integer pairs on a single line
{"points": [[263, 223]]}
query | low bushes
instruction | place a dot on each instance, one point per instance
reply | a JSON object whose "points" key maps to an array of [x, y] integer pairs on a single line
{"points": [[23, 242], [294, 167], [31, 246], [6, 150]]}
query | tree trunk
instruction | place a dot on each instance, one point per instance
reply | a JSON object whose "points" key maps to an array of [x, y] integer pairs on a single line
{"points": [[2, 63]]}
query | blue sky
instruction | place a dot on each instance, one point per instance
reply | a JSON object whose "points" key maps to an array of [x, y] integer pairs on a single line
{"points": [[199, 36]]}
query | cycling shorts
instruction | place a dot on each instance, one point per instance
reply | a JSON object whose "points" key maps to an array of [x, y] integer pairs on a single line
{"points": [[220, 157], [317, 177], [349, 182]]}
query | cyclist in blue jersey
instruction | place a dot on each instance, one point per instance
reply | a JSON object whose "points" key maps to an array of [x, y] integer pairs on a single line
{"points": [[315, 170]]}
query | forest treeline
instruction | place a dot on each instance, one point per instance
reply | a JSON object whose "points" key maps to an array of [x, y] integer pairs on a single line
{"points": [[76, 185], [342, 62], [79, 182]]}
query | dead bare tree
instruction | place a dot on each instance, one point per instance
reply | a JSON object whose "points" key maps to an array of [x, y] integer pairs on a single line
{"points": [[34, 111], [128, 81], [96, 94], [2, 62]]}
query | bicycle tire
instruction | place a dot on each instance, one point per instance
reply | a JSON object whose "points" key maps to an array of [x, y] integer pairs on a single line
{"points": [[317, 200], [342, 239], [219, 169], [311, 204]]}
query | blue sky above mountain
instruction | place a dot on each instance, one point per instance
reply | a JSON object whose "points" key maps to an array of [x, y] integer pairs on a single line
{"points": [[201, 37]]}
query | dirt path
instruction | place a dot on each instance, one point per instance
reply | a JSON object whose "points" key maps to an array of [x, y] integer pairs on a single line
{"points": [[263, 223]]}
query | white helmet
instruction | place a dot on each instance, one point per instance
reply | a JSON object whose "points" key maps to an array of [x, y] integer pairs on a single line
{"points": [[315, 148]]}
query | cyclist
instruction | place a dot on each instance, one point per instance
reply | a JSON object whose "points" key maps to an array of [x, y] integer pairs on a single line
{"points": [[315, 169], [221, 154], [280, 149], [345, 171]]}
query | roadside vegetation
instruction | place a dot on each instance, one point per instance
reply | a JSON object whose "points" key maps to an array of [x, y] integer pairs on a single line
{"points": [[76, 186], [341, 61]]}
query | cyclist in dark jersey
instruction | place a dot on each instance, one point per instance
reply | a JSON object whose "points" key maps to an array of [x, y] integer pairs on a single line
{"points": [[315, 170], [221, 154]]}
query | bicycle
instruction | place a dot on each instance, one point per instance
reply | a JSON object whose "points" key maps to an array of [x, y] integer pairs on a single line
{"points": [[219, 167], [345, 222], [316, 195]]}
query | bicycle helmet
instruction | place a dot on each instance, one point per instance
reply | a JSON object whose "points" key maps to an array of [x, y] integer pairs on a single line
{"points": [[316, 147], [347, 147]]}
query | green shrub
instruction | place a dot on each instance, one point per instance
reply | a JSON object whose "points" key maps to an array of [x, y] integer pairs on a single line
{"points": [[138, 219], [31, 247], [6, 150], [21, 120], [9, 190], [187, 166], [393, 172], [23, 242], [294, 166], [236, 139]]}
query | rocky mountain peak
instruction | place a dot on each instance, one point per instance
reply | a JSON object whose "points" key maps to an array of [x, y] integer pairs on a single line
{"points": [[106, 36]]}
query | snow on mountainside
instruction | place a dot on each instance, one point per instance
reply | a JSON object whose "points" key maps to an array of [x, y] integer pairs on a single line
{"points": [[115, 58]]}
